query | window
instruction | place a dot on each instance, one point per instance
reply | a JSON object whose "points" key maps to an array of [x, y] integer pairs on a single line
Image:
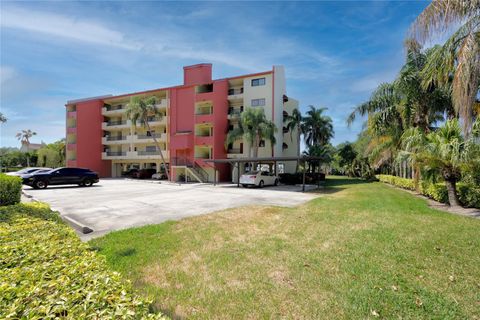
{"points": [[150, 148], [258, 82], [258, 102], [261, 143]]}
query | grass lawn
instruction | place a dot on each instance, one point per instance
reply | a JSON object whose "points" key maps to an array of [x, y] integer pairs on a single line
{"points": [[361, 250]]}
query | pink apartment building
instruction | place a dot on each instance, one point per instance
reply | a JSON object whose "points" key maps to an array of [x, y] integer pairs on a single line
{"points": [[196, 117]]}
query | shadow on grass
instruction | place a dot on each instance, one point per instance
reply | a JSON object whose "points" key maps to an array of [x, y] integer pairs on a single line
{"points": [[334, 184]]}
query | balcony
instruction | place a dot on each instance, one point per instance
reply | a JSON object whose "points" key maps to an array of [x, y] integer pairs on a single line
{"points": [[71, 146], [72, 114], [71, 130], [147, 155], [234, 153], [234, 114], [115, 140], [204, 140], [113, 110], [235, 94], [113, 155], [156, 121], [144, 138], [119, 124], [162, 104]]}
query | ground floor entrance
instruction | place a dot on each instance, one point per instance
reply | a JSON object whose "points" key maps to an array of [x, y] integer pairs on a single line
{"points": [[122, 166]]}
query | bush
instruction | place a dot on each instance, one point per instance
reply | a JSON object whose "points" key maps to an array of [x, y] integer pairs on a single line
{"points": [[468, 194], [10, 189], [297, 178], [437, 191], [397, 181], [47, 272]]}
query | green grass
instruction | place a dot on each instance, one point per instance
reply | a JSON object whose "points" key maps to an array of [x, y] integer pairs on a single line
{"points": [[360, 250]]}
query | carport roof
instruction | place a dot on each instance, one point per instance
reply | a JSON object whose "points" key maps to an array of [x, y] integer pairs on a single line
{"points": [[265, 159]]}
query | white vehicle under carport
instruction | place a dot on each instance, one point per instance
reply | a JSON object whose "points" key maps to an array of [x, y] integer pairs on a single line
{"points": [[259, 179]]}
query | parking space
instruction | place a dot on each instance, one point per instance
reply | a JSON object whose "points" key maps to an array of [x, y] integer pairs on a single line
{"points": [[115, 204]]}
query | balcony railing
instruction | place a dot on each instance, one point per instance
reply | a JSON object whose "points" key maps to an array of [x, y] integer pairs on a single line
{"points": [[234, 151], [235, 91], [146, 136], [116, 123], [116, 153], [116, 138], [114, 108], [148, 153]]}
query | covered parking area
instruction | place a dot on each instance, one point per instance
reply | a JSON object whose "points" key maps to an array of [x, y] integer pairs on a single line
{"points": [[271, 161]]}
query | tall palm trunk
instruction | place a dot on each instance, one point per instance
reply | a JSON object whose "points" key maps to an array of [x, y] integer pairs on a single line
{"points": [[159, 149], [298, 149], [451, 185], [451, 176]]}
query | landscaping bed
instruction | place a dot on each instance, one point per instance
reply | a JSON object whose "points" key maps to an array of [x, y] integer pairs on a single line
{"points": [[47, 272], [468, 194]]}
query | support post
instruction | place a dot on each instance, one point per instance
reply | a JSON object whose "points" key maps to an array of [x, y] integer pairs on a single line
{"points": [[214, 175], [238, 174], [303, 180]]}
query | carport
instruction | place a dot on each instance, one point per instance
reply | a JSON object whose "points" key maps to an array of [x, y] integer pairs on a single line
{"points": [[269, 160]]}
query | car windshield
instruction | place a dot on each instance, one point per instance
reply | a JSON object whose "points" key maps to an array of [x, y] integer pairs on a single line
{"points": [[26, 170]]}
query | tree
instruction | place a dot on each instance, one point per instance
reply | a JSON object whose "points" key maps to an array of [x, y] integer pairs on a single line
{"points": [[295, 122], [346, 154], [444, 151], [139, 109], [52, 155], [253, 127], [455, 65], [323, 152], [317, 128], [3, 119], [24, 137]]}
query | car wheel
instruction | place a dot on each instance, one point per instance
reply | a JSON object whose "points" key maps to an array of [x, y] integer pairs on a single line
{"points": [[261, 184], [40, 184], [245, 185], [276, 182], [88, 183]]}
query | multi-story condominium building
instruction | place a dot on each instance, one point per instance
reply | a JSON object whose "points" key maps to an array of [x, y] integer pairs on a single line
{"points": [[194, 120]]}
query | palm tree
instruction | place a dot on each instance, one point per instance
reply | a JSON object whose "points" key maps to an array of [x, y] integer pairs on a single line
{"points": [[458, 56], [139, 109], [317, 128], [295, 122], [24, 137], [3, 119], [444, 151], [253, 127], [323, 152]]}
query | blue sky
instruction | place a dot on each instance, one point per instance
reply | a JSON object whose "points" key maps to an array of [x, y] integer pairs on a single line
{"points": [[335, 53]]}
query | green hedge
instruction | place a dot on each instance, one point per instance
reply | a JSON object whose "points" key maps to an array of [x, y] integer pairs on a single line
{"points": [[10, 189], [46, 272], [469, 195]]}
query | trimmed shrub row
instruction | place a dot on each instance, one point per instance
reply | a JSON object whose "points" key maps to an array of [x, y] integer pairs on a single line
{"points": [[10, 189], [297, 178], [47, 272], [469, 195]]}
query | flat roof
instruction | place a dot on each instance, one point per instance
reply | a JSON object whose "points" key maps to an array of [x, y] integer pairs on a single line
{"points": [[88, 99]]}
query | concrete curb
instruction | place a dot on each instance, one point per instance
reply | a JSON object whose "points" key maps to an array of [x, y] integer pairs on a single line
{"points": [[72, 222], [77, 225]]}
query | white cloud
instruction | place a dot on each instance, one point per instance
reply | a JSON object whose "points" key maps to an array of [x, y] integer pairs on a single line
{"points": [[65, 27], [372, 81]]}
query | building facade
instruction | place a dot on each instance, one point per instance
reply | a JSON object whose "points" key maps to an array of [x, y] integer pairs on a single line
{"points": [[191, 128]]}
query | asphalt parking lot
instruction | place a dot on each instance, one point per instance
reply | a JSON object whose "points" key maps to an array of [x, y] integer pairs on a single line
{"points": [[115, 204]]}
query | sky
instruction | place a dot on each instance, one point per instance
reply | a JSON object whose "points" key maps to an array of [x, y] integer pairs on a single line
{"points": [[335, 53]]}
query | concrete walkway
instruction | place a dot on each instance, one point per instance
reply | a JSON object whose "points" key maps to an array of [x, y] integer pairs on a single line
{"points": [[115, 204]]}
